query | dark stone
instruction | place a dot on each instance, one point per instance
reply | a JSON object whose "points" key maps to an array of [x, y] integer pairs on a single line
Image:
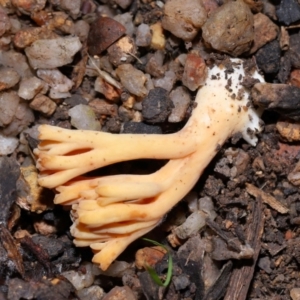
{"points": [[288, 11], [52, 245], [61, 114], [74, 100], [10, 172], [20, 289], [282, 98], [156, 106], [285, 68], [268, 57], [139, 127], [294, 50], [113, 125], [181, 282], [149, 287]]}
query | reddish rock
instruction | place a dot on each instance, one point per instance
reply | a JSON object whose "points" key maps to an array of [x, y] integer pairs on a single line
{"points": [[103, 33], [149, 256], [195, 72]]}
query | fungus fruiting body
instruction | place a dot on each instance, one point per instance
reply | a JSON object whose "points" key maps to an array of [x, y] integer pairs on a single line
{"points": [[110, 212]]}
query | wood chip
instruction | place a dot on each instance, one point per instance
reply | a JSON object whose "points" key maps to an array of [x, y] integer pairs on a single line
{"points": [[242, 274], [266, 198]]}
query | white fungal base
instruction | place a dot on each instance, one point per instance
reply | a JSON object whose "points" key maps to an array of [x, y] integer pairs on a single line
{"points": [[112, 211]]}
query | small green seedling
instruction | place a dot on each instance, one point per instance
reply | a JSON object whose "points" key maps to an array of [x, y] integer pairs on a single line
{"points": [[153, 273]]}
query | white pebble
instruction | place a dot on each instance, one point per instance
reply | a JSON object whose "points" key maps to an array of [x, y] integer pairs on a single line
{"points": [[93, 292], [181, 100], [49, 54], [8, 144], [30, 87], [116, 269], [10, 101], [83, 117], [191, 226], [126, 21], [167, 82], [8, 78], [81, 280], [55, 79], [143, 36]]}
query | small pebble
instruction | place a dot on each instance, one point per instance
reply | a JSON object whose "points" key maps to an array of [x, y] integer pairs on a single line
{"points": [[126, 21], [122, 51], [282, 98], [295, 49], [25, 37], [102, 107], [23, 118], [55, 79], [116, 269], [149, 256], [181, 100], [139, 127], [49, 54], [156, 106], [154, 65], [186, 24], [8, 144], [289, 131], [83, 117], [43, 104], [265, 31], [195, 72], [81, 29], [264, 263], [123, 3], [167, 82], [5, 24], [132, 79], [229, 29], [17, 61], [295, 78], [75, 99], [191, 226], [181, 282], [10, 101], [72, 8], [288, 11], [79, 279], [143, 35], [8, 78], [206, 205], [295, 293], [125, 114], [41, 226], [268, 57], [26, 7], [109, 92], [30, 87], [120, 293], [93, 292], [158, 40]]}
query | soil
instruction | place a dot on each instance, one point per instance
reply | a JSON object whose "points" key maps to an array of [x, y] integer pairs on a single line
{"points": [[251, 250]]}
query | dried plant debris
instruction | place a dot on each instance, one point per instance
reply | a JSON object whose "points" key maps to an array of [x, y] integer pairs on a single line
{"points": [[125, 69], [9, 175]]}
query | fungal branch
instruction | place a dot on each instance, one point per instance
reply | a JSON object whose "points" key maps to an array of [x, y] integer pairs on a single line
{"points": [[109, 212]]}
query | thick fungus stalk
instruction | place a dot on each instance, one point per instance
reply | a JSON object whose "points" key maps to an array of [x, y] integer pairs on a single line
{"points": [[110, 212]]}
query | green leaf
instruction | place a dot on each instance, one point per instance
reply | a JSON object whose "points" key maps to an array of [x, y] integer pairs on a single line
{"points": [[153, 273]]}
